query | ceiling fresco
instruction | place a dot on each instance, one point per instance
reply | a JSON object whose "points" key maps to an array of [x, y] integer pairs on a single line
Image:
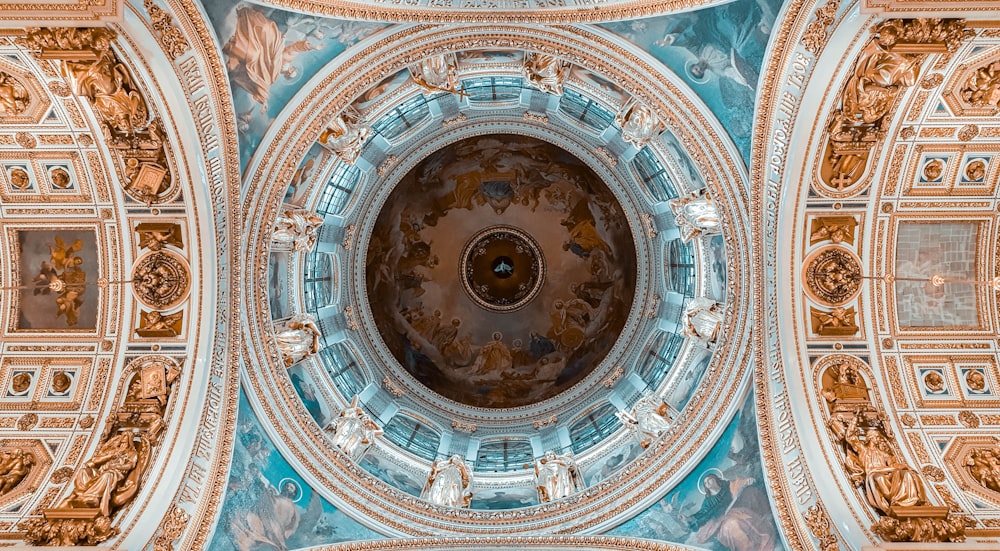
{"points": [[478, 352], [270, 54], [718, 51]]}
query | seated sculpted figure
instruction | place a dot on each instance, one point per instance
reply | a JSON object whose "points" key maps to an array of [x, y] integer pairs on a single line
{"points": [[545, 72], [639, 125], [354, 431], [556, 476], [872, 463], [648, 419], [449, 482], [105, 481], [15, 464], [345, 136]]}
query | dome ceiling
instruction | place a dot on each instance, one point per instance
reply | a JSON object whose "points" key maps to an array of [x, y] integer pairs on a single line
{"points": [[539, 245]]}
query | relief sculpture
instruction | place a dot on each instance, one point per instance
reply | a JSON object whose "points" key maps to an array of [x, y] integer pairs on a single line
{"points": [[131, 129], [889, 64], [984, 466], [111, 478], [15, 464], [889, 485]]}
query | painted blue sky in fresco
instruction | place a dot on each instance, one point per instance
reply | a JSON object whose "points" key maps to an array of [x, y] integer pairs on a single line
{"points": [[718, 51], [268, 506], [270, 54], [735, 515]]}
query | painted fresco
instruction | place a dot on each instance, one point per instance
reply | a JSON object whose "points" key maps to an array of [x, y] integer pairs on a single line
{"points": [[392, 475], [268, 506], [306, 389], [923, 250], [277, 285], [722, 505], [718, 51], [315, 160], [680, 392], [462, 349], [716, 248], [507, 498], [613, 461], [55, 266], [270, 54]]}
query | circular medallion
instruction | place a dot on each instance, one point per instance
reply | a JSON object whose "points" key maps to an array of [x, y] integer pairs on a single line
{"points": [[161, 280], [832, 276], [502, 268]]}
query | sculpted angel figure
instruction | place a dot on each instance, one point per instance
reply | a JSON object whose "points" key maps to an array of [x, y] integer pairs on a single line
{"points": [[545, 72], [696, 215], [297, 228], [345, 136], [15, 464], [639, 125], [436, 73], [299, 339], [556, 476], [649, 418], [353, 430], [449, 482], [702, 318]]}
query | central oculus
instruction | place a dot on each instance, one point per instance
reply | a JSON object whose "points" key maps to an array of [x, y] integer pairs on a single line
{"points": [[500, 271], [502, 268]]}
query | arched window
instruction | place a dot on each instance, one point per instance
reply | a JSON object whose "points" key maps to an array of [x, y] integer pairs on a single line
{"points": [[504, 455], [593, 427], [413, 436]]}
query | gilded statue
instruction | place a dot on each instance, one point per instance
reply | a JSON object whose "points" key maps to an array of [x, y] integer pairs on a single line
{"points": [[639, 125], [837, 229], [696, 215], [14, 97], [346, 135], [449, 483], [982, 89], [984, 466], [545, 72], [15, 464], [297, 228], [438, 73], [108, 86], [299, 339], [353, 431], [157, 324], [888, 65], [702, 317], [872, 464], [110, 479], [844, 388], [649, 418], [837, 322]]}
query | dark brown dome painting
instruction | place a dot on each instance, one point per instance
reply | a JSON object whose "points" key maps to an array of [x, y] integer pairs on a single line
{"points": [[500, 271]]}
